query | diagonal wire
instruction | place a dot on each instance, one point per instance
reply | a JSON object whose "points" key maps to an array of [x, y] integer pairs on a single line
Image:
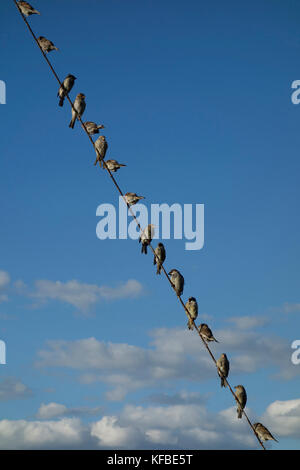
{"points": [[139, 226]]}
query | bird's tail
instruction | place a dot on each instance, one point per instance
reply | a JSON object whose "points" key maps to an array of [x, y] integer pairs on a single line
{"points": [[190, 324], [239, 412], [98, 159], [223, 382], [144, 248], [61, 101], [158, 271], [36, 12], [72, 122]]}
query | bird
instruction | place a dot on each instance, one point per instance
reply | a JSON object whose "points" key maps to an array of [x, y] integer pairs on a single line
{"points": [[192, 308], [65, 88], [263, 433], [112, 165], [101, 147], [132, 198], [177, 280], [27, 9], [146, 237], [206, 332], [242, 399], [160, 257], [46, 45], [79, 107], [223, 368], [92, 127]]}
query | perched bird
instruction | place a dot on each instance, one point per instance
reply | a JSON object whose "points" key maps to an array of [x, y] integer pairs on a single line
{"points": [[92, 127], [242, 399], [101, 147], [132, 198], [146, 237], [27, 9], [206, 332], [160, 257], [112, 165], [46, 45], [66, 87], [177, 281], [263, 433], [192, 308], [79, 107], [223, 368]]}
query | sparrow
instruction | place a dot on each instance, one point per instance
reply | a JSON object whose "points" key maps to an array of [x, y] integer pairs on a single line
{"points": [[223, 368], [177, 281], [263, 433], [112, 165], [160, 257], [132, 198], [27, 9], [146, 237], [46, 45], [79, 107], [206, 332], [242, 399], [101, 147], [66, 87], [92, 127], [192, 308]]}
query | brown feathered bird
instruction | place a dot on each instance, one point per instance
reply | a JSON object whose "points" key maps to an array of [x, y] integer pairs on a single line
{"points": [[177, 280], [263, 433], [241, 394], [79, 107], [132, 198], [192, 308], [92, 127], [46, 44], [223, 368], [27, 9], [101, 147], [160, 257], [146, 237], [206, 332], [112, 165], [65, 88]]}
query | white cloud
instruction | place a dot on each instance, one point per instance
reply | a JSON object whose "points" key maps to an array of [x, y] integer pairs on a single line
{"points": [[13, 389], [4, 283], [282, 418], [173, 354], [291, 307], [22, 434], [110, 434], [185, 426], [83, 296], [248, 322], [4, 279], [55, 410]]}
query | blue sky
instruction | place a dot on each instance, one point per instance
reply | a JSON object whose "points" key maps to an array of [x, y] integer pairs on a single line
{"points": [[196, 100]]}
